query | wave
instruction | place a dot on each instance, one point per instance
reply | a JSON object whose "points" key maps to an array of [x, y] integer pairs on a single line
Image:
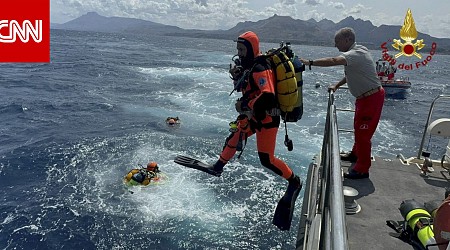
{"points": [[83, 187], [74, 127], [13, 109], [183, 75]]}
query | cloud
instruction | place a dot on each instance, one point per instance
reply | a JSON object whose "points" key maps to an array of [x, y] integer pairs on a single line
{"points": [[437, 26], [337, 5], [355, 10], [314, 14], [360, 11], [201, 2], [313, 2], [200, 14], [224, 14], [288, 2]]}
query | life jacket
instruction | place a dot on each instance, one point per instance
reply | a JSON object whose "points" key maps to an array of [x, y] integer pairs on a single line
{"points": [[288, 71], [140, 176]]}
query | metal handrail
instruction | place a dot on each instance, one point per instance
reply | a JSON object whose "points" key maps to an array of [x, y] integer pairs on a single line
{"points": [[336, 196], [419, 154], [325, 226]]}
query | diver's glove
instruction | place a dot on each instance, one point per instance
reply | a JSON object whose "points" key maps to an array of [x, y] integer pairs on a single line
{"points": [[236, 72], [259, 114], [263, 104]]}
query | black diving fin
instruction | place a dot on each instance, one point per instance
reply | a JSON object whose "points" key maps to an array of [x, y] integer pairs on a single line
{"points": [[196, 164], [282, 217]]}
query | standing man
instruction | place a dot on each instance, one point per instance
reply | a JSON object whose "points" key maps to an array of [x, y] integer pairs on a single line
{"points": [[362, 81]]}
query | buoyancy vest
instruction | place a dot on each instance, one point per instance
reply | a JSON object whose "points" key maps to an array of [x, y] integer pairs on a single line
{"points": [[143, 176]]}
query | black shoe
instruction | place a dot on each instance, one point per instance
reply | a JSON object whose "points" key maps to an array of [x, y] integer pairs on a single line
{"points": [[349, 157], [352, 174]]}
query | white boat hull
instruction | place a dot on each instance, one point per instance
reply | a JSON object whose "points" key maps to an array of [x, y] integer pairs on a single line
{"points": [[396, 87]]}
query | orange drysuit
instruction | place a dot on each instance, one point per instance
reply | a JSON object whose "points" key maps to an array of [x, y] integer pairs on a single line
{"points": [[258, 95]]}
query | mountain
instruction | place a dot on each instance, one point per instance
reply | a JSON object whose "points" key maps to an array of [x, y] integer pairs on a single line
{"points": [[95, 22], [286, 28]]}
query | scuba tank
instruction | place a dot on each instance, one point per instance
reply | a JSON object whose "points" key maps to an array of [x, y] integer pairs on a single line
{"points": [[299, 67], [419, 221], [297, 112]]}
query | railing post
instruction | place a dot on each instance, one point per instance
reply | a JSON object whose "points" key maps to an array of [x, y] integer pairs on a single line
{"points": [[419, 154]]}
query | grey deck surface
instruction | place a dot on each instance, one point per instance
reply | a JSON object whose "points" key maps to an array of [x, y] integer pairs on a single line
{"points": [[380, 196]]}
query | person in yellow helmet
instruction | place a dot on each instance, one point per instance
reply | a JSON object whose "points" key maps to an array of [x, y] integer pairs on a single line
{"points": [[143, 176]]}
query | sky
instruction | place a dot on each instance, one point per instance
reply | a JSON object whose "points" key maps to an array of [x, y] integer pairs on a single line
{"points": [[431, 17]]}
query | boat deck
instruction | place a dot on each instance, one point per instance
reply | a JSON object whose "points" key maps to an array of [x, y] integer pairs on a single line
{"points": [[380, 197]]}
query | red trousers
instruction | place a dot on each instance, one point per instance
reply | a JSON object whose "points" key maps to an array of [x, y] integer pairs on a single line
{"points": [[367, 115]]}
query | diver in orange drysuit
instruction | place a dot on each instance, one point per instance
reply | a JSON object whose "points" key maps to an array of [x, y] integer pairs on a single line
{"points": [[257, 101]]}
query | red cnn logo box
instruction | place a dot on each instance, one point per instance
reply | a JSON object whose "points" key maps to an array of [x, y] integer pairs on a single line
{"points": [[25, 31]]}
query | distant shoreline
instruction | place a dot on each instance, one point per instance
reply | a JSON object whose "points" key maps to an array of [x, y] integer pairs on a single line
{"points": [[370, 46]]}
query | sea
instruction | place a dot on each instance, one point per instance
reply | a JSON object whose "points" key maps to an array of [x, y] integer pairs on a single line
{"points": [[72, 128]]}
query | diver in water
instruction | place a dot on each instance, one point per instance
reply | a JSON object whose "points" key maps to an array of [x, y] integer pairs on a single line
{"points": [[172, 121], [142, 176]]}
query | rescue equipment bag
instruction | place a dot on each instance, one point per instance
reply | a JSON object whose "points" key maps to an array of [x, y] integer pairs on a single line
{"points": [[417, 227]]}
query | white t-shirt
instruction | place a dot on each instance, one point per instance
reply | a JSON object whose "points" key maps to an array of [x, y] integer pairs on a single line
{"points": [[360, 70]]}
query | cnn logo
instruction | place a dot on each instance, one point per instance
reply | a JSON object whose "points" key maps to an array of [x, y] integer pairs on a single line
{"points": [[25, 32]]}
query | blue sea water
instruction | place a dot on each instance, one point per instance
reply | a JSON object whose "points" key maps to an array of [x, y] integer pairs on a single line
{"points": [[71, 129]]}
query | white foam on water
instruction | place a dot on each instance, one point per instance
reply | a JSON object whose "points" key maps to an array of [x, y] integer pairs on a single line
{"points": [[234, 206], [9, 218], [389, 140], [196, 74]]}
